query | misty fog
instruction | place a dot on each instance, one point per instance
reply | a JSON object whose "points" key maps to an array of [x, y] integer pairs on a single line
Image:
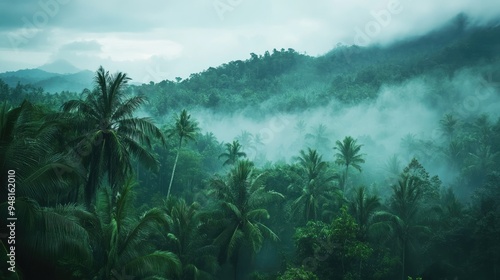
{"points": [[412, 108]]}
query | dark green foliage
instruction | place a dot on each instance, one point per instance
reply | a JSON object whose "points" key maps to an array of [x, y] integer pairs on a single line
{"points": [[238, 223], [314, 185], [79, 217], [299, 273], [333, 250], [196, 253], [108, 134], [348, 154], [233, 153]]}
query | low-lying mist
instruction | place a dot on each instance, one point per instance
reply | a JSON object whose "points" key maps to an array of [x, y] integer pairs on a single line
{"points": [[402, 113]]}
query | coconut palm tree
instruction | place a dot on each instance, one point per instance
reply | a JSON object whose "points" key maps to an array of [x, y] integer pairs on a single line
{"points": [[402, 221], [31, 144], [448, 126], [363, 207], [233, 153], [258, 140], [319, 136], [108, 134], [121, 244], [392, 169], [316, 185], [243, 198], [184, 129], [49, 235], [348, 154], [481, 162], [300, 126], [245, 139], [196, 253]]}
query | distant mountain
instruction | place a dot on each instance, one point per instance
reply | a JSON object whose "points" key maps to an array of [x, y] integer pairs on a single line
{"points": [[49, 81], [60, 66]]}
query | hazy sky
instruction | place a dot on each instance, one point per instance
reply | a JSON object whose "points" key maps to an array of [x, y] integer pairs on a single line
{"points": [[158, 39]]}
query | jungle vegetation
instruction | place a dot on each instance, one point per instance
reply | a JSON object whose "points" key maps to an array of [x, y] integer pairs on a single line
{"points": [[104, 192]]}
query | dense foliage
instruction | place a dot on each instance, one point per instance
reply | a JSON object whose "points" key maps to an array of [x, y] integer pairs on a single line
{"points": [[104, 194]]}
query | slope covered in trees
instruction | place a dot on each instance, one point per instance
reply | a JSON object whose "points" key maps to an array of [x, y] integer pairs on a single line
{"points": [[287, 80]]}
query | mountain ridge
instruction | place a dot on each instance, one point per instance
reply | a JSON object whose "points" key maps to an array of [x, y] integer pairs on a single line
{"points": [[287, 80], [50, 82], [60, 66]]}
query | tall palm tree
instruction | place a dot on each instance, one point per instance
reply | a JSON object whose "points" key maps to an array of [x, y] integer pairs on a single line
{"points": [[392, 168], [31, 144], [481, 162], [448, 125], [258, 140], [184, 129], [121, 244], [196, 253], [245, 139], [242, 200], [402, 221], [109, 134], [233, 153], [363, 208], [49, 235], [455, 153], [320, 137], [316, 185], [348, 154], [300, 126]]}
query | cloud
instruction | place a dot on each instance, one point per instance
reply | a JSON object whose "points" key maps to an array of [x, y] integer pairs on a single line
{"points": [[198, 34], [82, 46]]}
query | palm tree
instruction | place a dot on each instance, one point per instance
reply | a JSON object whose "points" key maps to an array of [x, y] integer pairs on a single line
{"points": [[481, 162], [109, 134], [121, 244], [448, 125], [454, 153], [233, 153], [392, 169], [482, 129], [300, 126], [402, 221], [242, 200], [31, 144], [258, 140], [184, 129], [316, 185], [245, 138], [49, 234], [196, 253], [363, 208], [348, 155], [319, 136]]}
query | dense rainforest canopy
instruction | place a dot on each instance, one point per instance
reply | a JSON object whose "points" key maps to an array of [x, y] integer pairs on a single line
{"points": [[379, 162]]}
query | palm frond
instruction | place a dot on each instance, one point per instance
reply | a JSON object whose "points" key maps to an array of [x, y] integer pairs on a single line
{"points": [[143, 156], [153, 216], [258, 214], [156, 263]]}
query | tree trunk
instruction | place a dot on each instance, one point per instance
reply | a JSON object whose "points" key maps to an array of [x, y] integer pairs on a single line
{"points": [[403, 261], [235, 265], [344, 184], [173, 170]]}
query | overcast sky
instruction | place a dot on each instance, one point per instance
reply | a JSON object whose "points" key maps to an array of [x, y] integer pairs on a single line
{"points": [[158, 39]]}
